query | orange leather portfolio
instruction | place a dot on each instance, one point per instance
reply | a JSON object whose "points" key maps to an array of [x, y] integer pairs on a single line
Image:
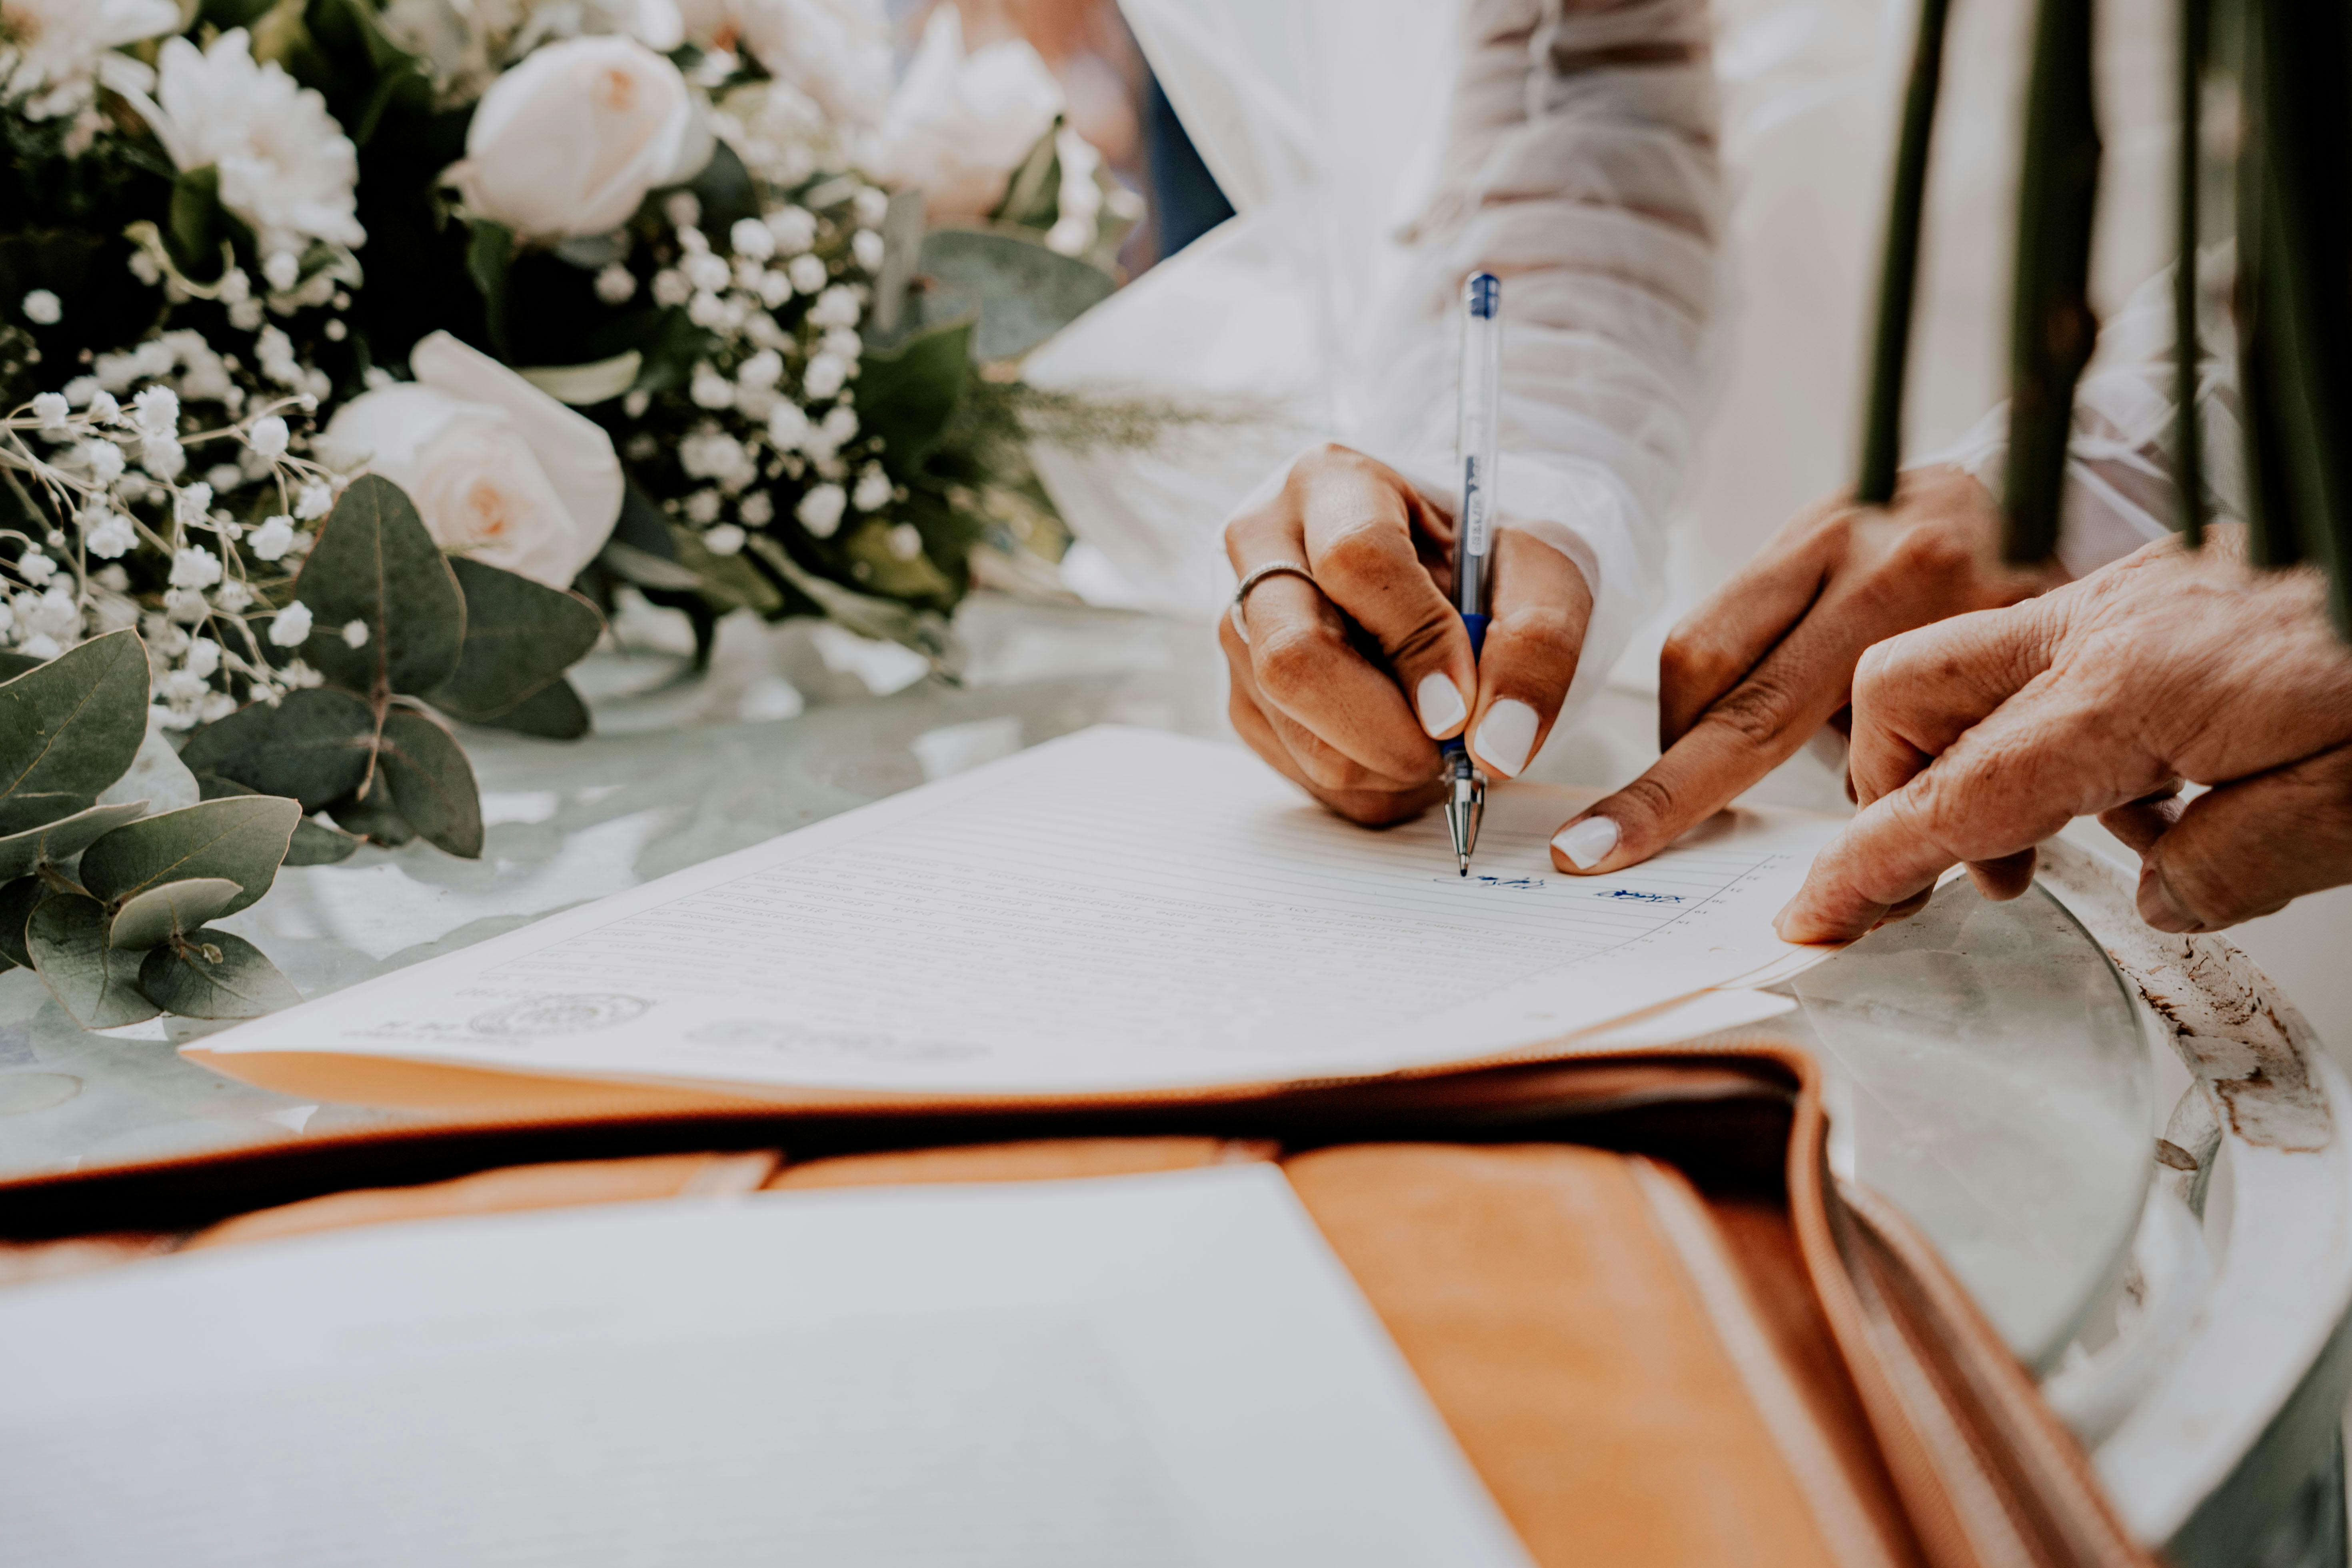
{"points": [[1659, 1330]]}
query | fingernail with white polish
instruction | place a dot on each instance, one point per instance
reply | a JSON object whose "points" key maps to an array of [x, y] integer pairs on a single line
{"points": [[1506, 736], [1441, 704], [1587, 843]]}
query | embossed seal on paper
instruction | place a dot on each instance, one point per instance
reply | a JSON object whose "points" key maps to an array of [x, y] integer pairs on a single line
{"points": [[574, 1014]]}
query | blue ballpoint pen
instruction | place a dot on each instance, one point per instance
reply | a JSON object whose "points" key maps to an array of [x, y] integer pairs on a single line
{"points": [[1474, 537]]}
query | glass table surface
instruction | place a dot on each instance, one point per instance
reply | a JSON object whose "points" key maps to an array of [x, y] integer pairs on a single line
{"points": [[1987, 1068]]}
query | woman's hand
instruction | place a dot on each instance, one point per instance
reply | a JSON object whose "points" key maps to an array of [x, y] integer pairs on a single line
{"points": [[1975, 740], [1751, 675], [1347, 684]]}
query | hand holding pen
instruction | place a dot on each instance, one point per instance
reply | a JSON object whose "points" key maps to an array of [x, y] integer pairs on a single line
{"points": [[1350, 661]]}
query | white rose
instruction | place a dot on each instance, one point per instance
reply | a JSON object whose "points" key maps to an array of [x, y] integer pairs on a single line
{"points": [[838, 52], [959, 124], [285, 166], [501, 471], [569, 142]]}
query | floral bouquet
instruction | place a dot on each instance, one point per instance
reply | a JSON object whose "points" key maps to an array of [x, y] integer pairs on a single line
{"points": [[356, 354]]}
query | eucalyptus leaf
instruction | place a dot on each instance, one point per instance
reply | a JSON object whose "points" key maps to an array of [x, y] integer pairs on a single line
{"points": [[920, 630], [1018, 292], [313, 747], [585, 385], [69, 729], [731, 581], [521, 636], [374, 563], [193, 224], [23, 853], [243, 839], [432, 783], [552, 713], [647, 569], [17, 900], [907, 395], [186, 979], [489, 260], [313, 844], [66, 938], [375, 820], [174, 908], [12, 664]]}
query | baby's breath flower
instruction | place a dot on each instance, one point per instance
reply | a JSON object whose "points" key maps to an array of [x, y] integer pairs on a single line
{"points": [[820, 511], [751, 237], [355, 633], [793, 228], [807, 273], [313, 500], [273, 539], [615, 284], [290, 627], [724, 540], [268, 436], [873, 491], [905, 542], [866, 246], [51, 408], [193, 567], [43, 309]]}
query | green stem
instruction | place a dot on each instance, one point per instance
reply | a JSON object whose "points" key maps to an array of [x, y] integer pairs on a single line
{"points": [[2188, 349], [2053, 329], [2300, 427], [1882, 434]]}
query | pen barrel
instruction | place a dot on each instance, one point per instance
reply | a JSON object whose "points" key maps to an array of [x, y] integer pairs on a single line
{"points": [[1478, 438], [1476, 624]]}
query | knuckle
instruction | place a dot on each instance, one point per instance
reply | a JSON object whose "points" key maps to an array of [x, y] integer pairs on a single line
{"points": [[1292, 659], [1364, 551], [1652, 802], [1756, 712], [1423, 641]]}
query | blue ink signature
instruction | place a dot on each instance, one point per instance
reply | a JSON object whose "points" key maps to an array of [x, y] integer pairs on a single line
{"points": [[1639, 897], [1489, 881]]}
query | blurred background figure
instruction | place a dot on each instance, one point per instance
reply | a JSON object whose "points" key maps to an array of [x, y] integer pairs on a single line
{"points": [[1113, 101]]}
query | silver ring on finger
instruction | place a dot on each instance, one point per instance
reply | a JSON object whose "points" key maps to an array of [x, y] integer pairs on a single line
{"points": [[1259, 574]]}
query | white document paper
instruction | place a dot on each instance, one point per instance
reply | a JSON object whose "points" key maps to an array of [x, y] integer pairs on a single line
{"points": [[1167, 1372], [1120, 909]]}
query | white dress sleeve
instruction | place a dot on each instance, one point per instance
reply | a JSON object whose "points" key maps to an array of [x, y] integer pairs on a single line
{"points": [[1579, 166], [2120, 487]]}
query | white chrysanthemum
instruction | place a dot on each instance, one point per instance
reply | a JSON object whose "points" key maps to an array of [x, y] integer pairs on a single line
{"points": [[286, 167], [58, 50]]}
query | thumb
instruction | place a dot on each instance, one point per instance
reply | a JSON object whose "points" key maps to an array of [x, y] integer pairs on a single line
{"points": [[2248, 848]]}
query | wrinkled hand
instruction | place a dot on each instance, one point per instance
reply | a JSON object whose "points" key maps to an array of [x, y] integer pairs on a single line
{"points": [[1347, 684], [1975, 740], [1754, 672]]}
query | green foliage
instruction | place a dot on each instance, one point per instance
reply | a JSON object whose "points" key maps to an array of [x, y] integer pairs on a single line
{"points": [[214, 975], [95, 982], [314, 747], [519, 637], [375, 565], [432, 783], [490, 263], [1015, 291], [69, 728], [21, 854], [170, 909], [242, 839], [908, 395]]}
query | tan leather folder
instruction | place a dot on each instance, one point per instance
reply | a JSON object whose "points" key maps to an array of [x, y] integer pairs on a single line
{"points": [[1660, 1330]]}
